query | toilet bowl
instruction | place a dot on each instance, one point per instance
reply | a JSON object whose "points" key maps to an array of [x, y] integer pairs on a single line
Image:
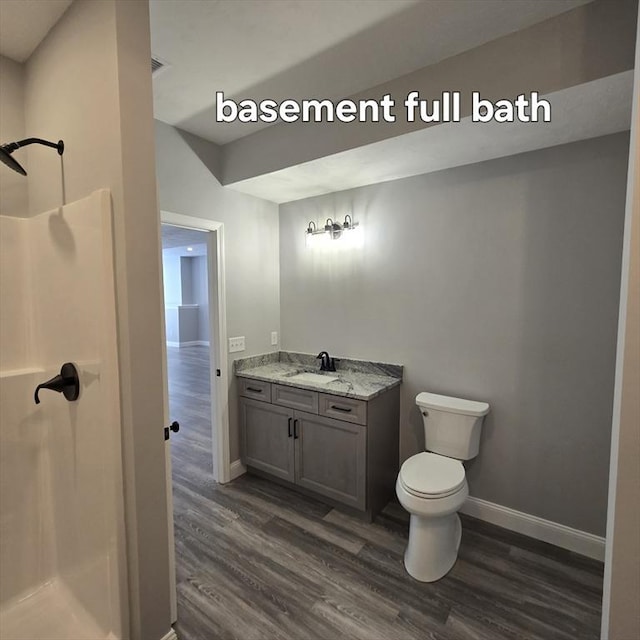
{"points": [[432, 487]]}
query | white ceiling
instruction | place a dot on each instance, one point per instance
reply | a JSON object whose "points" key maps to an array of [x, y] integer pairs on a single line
{"points": [[586, 111], [332, 48], [310, 48], [180, 238], [25, 23]]}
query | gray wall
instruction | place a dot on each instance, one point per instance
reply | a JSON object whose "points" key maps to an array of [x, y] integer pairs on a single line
{"points": [[171, 277], [187, 325], [171, 324], [185, 280], [200, 291], [187, 184], [14, 194], [497, 281], [185, 283]]}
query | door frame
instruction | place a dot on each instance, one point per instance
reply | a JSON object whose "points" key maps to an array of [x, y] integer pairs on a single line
{"points": [[217, 337]]}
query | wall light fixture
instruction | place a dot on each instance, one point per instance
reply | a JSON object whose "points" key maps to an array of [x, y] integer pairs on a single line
{"points": [[331, 231]]}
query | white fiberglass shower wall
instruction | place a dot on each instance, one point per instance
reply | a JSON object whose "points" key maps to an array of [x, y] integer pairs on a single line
{"points": [[62, 555]]}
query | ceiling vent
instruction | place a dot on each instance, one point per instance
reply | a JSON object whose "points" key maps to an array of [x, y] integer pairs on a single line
{"points": [[157, 65]]}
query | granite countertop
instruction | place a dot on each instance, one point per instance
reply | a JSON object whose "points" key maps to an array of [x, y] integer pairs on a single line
{"points": [[356, 378]]}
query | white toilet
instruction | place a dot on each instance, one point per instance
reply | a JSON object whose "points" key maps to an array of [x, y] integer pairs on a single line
{"points": [[432, 486]]}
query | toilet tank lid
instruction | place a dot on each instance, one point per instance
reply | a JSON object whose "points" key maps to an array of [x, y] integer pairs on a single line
{"points": [[427, 400]]}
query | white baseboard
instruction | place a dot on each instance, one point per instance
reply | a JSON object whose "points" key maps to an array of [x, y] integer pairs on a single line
{"points": [[237, 469], [192, 343], [171, 635], [560, 535]]}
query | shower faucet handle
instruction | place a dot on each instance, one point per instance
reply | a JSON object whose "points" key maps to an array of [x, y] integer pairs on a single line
{"points": [[66, 382]]}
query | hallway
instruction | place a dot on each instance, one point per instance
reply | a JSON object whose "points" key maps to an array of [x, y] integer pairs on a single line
{"points": [[190, 405]]}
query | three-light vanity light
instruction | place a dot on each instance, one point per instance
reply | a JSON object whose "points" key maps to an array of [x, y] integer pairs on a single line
{"points": [[331, 231]]}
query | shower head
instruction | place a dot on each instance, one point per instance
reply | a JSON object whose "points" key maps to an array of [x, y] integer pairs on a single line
{"points": [[7, 149], [10, 161]]}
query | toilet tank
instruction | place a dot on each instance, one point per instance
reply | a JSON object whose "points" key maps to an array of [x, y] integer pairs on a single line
{"points": [[451, 425]]}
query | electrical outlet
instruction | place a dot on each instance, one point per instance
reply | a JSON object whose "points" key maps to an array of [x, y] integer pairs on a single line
{"points": [[274, 338], [236, 344]]}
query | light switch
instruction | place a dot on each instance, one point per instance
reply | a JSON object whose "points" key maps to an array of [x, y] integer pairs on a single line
{"points": [[236, 344], [274, 338]]}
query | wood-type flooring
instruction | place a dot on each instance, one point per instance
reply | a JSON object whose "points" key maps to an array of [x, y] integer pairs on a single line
{"points": [[259, 561]]}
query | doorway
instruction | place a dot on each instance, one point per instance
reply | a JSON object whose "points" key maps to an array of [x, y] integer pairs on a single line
{"points": [[195, 358], [201, 293], [188, 354]]}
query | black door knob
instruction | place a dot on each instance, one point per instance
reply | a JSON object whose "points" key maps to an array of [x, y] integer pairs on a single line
{"points": [[66, 382], [174, 426]]}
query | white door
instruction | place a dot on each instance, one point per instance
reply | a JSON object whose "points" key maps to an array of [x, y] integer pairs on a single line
{"points": [[218, 359], [167, 460]]}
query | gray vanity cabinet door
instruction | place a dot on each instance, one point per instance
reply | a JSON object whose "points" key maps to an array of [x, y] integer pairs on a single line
{"points": [[267, 444], [331, 458]]}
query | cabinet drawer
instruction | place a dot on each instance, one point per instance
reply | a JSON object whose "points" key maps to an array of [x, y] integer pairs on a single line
{"points": [[301, 399], [341, 408], [256, 389]]}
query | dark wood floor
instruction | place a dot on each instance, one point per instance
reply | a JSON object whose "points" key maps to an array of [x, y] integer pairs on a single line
{"points": [[255, 560]]}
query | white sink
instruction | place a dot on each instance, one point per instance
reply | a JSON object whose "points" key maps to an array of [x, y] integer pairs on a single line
{"points": [[315, 378]]}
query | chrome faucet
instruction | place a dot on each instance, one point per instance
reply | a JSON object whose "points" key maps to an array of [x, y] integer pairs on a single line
{"points": [[327, 364]]}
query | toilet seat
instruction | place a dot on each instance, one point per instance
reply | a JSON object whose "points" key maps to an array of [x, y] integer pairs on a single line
{"points": [[429, 475]]}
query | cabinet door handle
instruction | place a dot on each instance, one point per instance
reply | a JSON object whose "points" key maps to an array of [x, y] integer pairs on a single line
{"points": [[295, 429], [343, 409], [254, 390], [289, 426]]}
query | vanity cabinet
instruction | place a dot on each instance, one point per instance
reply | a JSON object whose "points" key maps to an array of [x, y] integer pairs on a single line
{"points": [[343, 449], [268, 438], [331, 458]]}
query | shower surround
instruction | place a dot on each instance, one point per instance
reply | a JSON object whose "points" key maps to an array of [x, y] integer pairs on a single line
{"points": [[62, 539]]}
